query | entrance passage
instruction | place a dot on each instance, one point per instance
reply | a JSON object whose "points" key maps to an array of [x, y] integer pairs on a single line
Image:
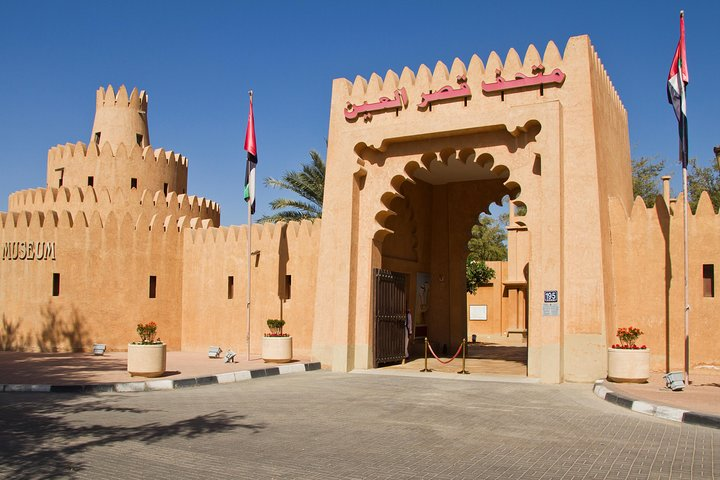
{"points": [[390, 312]]}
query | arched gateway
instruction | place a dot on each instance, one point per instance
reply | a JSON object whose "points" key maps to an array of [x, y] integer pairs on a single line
{"points": [[412, 160]]}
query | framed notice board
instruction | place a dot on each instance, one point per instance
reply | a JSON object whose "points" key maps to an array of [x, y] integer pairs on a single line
{"points": [[478, 312]]}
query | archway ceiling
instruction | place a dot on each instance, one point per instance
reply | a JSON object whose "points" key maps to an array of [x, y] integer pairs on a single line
{"points": [[440, 173]]}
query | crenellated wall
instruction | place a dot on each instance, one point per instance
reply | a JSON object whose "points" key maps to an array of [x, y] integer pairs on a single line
{"points": [[212, 255], [648, 271], [104, 263], [103, 200], [113, 167]]}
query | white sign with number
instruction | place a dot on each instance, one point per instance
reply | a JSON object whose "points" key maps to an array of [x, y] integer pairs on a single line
{"points": [[551, 305]]}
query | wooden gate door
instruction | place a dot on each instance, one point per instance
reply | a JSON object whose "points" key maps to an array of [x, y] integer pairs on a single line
{"points": [[390, 308]]}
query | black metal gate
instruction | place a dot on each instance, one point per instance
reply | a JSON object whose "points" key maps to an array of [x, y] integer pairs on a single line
{"points": [[390, 308]]}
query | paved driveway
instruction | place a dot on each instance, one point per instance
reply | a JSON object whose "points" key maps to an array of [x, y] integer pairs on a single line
{"points": [[323, 425]]}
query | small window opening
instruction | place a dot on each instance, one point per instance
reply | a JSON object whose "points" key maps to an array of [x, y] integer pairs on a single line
{"points": [[153, 286], [61, 170], [231, 287], [165, 188], [288, 286], [56, 285], [133, 183], [139, 139], [97, 138], [708, 280], [91, 181]]}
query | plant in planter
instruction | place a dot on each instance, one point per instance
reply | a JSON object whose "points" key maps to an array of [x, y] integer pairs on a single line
{"points": [[628, 336], [628, 362], [276, 346], [147, 358], [276, 327]]}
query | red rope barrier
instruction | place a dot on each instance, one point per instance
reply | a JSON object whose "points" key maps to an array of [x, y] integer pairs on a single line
{"points": [[453, 357]]}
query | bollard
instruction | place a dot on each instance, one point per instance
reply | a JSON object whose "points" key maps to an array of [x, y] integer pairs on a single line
{"points": [[426, 369], [464, 344]]}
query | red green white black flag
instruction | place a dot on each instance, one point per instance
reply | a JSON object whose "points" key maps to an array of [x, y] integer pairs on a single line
{"points": [[678, 79], [251, 149]]}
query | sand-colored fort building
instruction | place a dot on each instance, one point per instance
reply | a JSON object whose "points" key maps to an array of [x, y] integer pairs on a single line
{"points": [[115, 239]]}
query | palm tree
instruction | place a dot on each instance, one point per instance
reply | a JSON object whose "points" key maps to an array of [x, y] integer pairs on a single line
{"points": [[308, 183]]}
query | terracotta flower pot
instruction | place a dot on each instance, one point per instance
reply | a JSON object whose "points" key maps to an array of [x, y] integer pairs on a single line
{"points": [[277, 349], [146, 360], [628, 365]]}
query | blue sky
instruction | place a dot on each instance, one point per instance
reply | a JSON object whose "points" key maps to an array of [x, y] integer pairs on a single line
{"points": [[197, 60]]}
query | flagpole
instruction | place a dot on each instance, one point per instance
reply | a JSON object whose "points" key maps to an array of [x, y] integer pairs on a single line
{"points": [[249, 267], [684, 161], [687, 290]]}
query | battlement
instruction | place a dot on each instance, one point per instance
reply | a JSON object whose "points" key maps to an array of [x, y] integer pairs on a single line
{"points": [[63, 219], [602, 79], [81, 152], [424, 77], [114, 166], [117, 201], [261, 232], [136, 100], [650, 217], [573, 61]]}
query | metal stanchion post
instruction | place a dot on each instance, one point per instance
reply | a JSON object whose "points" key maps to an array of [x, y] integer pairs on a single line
{"points": [[426, 369], [464, 344]]}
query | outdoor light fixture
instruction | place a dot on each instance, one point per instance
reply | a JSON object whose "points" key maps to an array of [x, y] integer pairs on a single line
{"points": [[214, 352], [98, 349], [674, 381], [230, 357]]}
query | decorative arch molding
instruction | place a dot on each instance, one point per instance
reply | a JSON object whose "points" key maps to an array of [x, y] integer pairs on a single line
{"points": [[477, 155]]}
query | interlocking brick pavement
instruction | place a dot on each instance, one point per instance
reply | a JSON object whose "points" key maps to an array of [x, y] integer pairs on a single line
{"points": [[324, 425]]}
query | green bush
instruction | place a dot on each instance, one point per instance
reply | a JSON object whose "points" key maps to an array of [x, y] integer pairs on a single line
{"points": [[275, 325]]}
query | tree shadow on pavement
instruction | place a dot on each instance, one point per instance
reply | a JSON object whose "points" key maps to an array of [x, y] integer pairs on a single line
{"points": [[39, 441]]}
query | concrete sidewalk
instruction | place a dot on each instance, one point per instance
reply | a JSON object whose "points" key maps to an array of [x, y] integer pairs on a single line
{"points": [[702, 395], [698, 403], [24, 371]]}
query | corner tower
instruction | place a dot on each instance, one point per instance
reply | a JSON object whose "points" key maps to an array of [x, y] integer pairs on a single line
{"points": [[119, 155]]}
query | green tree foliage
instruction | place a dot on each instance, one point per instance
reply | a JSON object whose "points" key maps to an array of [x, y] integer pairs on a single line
{"points": [[308, 183], [487, 242], [703, 179], [645, 178], [477, 273]]}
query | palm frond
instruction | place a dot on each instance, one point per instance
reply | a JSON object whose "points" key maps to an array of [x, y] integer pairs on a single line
{"points": [[308, 183]]}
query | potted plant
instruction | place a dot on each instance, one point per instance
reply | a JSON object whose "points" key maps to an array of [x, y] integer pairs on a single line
{"points": [[146, 358], [276, 346], [628, 362]]}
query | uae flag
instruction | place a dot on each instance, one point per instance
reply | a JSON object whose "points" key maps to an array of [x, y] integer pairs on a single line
{"points": [[676, 83], [251, 148]]}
